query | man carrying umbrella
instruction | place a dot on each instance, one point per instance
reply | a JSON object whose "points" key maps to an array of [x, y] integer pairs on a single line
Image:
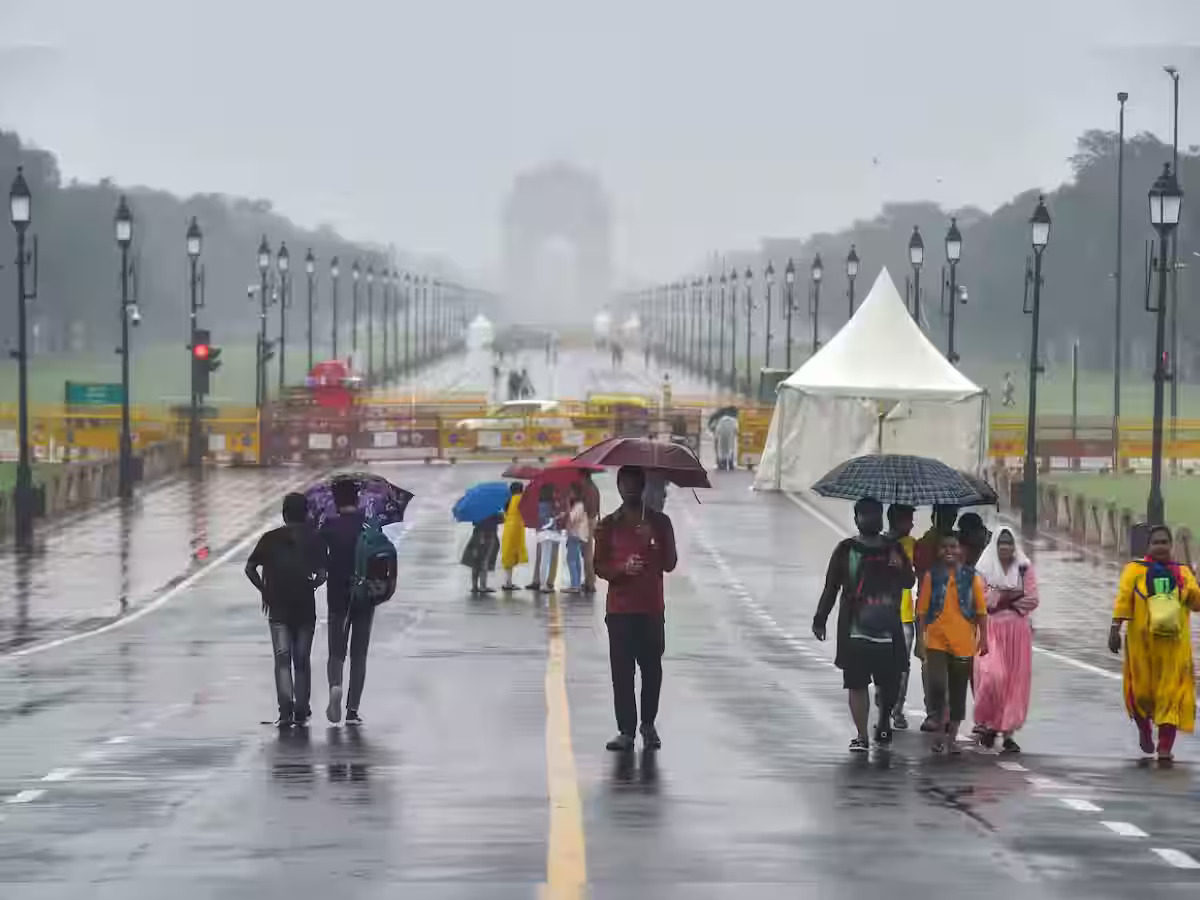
{"points": [[635, 547], [870, 572]]}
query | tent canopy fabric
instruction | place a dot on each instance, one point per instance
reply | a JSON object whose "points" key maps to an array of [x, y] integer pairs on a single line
{"points": [[879, 385], [882, 354]]}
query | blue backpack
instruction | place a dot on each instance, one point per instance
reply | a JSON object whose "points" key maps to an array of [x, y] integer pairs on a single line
{"points": [[374, 566]]}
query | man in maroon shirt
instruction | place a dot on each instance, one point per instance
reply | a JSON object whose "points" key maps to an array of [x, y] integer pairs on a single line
{"points": [[635, 546]]}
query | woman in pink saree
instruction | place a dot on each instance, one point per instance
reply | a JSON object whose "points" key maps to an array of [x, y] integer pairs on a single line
{"points": [[1004, 676]]}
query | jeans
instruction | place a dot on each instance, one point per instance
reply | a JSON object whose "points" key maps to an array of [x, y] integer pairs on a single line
{"points": [[635, 639], [575, 561], [293, 675], [548, 556], [949, 676], [350, 629]]}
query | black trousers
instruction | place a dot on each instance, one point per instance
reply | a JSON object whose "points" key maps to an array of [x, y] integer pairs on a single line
{"points": [[350, 629], [635, 639]]}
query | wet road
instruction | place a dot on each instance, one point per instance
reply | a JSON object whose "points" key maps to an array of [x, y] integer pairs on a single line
{"points": [[134, 762]]}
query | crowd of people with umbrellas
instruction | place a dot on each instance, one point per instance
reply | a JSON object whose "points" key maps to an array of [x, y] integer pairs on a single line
{"points": [[959, 598]]}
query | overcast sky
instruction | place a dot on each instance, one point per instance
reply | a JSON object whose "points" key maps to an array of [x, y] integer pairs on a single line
{"points": [[712, 123]]}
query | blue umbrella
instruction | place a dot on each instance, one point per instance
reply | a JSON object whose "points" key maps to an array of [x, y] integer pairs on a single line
{"points": [[482, 502]]}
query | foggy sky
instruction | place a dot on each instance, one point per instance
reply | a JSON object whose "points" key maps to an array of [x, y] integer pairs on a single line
{"points": [[712, 124]]}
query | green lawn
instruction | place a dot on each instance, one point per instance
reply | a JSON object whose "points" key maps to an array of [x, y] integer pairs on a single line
{"points": [[8, 474], [1182, 494]]}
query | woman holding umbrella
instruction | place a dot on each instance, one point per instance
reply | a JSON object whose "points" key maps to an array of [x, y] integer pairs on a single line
{"points": [[513, 551]]}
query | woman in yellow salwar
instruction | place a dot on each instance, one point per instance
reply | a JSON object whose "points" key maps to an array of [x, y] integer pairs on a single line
{"points": [[1159, 685], [512, 542]]}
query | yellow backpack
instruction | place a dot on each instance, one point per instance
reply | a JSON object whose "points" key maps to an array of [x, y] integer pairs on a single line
{"points": [[1166, 612]]}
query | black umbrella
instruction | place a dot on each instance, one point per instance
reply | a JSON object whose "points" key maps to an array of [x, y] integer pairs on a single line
{"points": [[720, 414], [912, 480]]}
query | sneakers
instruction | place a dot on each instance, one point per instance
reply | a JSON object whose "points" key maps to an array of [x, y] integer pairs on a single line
{"points": [[987, 738], [859, 745], [899, 722], [353, 718], [283, 722], [883, 735], [333, 712], [1010, 746], [622, 743], [650, 737], [301, 721]]}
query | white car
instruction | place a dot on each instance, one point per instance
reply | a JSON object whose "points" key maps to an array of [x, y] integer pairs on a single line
{"points": [[515, 414]]}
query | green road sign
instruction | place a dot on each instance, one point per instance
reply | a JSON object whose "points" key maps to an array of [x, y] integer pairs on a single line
{"points": [[81, 393]]}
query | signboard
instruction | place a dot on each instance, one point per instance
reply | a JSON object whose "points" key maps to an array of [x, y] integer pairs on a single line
{"points": [[83, 393]]}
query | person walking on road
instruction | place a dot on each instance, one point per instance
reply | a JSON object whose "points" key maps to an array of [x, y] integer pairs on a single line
{"points": [[926, 553], [635, 547], [974, 537], [1155, 599], [952, 621], [579, 532], [869, 573], [550, 524], [1004, 677], [591, 502], [349, 623], [292, 563], [725, 439], [900, 526], [481, 551], [513, 551]]}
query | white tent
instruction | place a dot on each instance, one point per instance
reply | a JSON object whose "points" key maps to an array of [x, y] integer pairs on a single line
{"points": [[878, 385]]}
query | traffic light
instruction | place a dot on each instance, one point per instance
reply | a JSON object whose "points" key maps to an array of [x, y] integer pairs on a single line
{"points": [[206, 359]]}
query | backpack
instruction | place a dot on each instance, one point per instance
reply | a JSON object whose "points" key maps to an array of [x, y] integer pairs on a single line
{"points": [[877, 602], [1165, 609], [374, 566]]}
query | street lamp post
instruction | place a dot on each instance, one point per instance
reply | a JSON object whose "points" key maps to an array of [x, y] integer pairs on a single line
{"points": [[355, 274], [407, 321], [334, 271], [1040, 236], [283, 263], [749, 327], [733, 303], [1122, 97], [395, 320], [384, 281], [953, 255], [260, 395], [721, 336], [20, 209], [310, 268], [770, 282], [789, 279], [697, 323], [194, 241], [708, 344], [123, 227], [851, 274], [818, 272], [916, 256], [1166, 201], [370, 323]]}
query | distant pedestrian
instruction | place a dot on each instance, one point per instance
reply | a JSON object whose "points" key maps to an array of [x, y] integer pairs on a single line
{"points": [[549, 532], [926, 553], [869, 573], [725, 440], [974, 537], [952, 623], [1156, 597], [591, 502], [1008, 392], [579, 532], [900, 526], [292, 564], [349, 622], [635, 547], [513, 551], [481, 551], [1004, 677]]}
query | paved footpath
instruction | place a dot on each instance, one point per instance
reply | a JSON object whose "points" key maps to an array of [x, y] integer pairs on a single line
{"points": [[134, 762]]}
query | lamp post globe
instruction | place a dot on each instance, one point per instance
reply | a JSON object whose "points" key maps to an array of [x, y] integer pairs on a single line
{"points": [[20, 202], [194, 239], [123, 223], [818, 270], [264, 255], [916, 248], [310, 262], [852, 262]]}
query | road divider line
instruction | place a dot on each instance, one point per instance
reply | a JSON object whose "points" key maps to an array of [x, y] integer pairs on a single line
{"points": [[1080, 805], [27, 796], [566, 859], [1177, 858], [1125, 829], [60, 775]]}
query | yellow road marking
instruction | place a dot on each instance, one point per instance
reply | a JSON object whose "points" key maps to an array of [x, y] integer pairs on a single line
{"points": [[566, 859]]}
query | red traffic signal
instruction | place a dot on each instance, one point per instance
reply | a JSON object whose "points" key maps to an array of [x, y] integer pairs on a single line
{"points": [[200, 351]]}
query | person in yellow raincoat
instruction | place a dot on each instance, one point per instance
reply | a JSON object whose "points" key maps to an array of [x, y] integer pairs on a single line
{"points": [[512, 543], [1159, 683]]}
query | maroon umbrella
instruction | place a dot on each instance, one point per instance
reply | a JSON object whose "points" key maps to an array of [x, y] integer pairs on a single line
{"points": [[522, 472], [676, 462]]}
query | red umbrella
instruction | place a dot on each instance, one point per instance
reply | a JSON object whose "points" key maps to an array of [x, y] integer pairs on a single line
{"points": [[676, 462], [560, 476], [522, 471]]}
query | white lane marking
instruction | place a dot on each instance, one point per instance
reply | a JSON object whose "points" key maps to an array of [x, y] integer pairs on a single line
{"points": [[60, 775], [159, 602], [1012, 766], [27, 796], [1080, 805], [1125, 829], [119, 739], [1177, 858], [95, 755], [1041, 781]]}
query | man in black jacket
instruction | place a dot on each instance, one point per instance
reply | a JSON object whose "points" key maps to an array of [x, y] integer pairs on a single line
{"points": [[292, 561], [869, 572], [349, 623]]}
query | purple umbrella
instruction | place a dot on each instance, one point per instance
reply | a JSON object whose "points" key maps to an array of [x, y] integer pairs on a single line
{"points": [[378, 499]]}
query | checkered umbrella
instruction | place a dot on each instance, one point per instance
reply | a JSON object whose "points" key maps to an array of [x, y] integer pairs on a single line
{"points": [[896, 478]]}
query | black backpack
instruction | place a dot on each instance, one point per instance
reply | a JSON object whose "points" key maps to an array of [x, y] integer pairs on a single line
{"points": [[875, 597]]}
